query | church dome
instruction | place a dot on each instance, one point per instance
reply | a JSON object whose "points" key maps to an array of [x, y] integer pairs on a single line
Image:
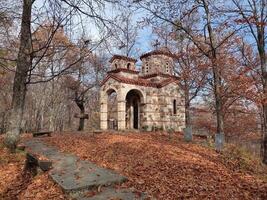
{"points": [[160, 61], [161, 51], [122, 62]]}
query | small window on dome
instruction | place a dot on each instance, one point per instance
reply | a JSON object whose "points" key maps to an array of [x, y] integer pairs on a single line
{"points": [[167, 68], [146, 69], [167, 63], [116, 66]]}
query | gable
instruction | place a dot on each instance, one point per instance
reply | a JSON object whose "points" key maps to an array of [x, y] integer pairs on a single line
{"points": [[139, 81]]}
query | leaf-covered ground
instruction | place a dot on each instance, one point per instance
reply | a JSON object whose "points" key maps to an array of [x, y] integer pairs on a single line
{"points": [[15, 183], [168, 169], [165, 169]]}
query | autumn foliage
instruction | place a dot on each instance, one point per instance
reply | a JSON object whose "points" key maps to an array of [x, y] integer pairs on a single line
{"points": [[167, 169]]}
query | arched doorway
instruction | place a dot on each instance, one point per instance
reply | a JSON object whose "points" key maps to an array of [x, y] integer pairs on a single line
{"points": [[112, 111], [133, 109]]}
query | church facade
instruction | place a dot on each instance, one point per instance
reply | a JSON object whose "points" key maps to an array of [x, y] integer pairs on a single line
{"points": [[149, 100]]}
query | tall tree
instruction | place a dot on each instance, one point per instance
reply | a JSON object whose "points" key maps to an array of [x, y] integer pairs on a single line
{"points": [[208, 34], [193, 74], [61, 11], [88, 74], [253, 14], [190, 65], [24, 62]]}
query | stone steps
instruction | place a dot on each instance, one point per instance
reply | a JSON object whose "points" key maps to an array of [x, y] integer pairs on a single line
{"points": [[78, 177]]}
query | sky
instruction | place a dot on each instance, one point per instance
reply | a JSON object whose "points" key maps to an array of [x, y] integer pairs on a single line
{"points": [[144, 38]]}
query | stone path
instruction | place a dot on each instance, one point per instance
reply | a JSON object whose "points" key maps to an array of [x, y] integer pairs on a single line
{"points": [[78, 177]]}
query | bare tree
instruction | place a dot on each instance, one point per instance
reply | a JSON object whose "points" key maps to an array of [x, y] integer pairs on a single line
{"points": [[26, 54], [190, 65], [123, 37], [192, 72], [24, 62], [208, 34], [253, 14]]}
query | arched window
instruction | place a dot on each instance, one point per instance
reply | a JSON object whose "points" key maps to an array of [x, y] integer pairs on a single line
{"points": [[174, 107], [167, 67], [128, 65], [116, 66], [147, 68]]}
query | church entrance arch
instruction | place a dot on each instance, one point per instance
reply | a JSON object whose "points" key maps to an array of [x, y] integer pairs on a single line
{"points": [[112, 111], [133, 109]]}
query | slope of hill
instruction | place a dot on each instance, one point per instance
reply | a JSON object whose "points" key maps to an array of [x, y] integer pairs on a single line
{"points": [[170, 168]]}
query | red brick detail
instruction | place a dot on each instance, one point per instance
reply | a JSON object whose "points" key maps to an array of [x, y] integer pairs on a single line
{"points": [[158, 74], [105, 80], [158, 52], [139, 81], [123, 70], [168, 81]]}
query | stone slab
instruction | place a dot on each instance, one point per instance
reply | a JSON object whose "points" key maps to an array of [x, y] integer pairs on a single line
{"points": [[111, 193], [188, 136], [74, 175], [219, 141], [71, 173]]}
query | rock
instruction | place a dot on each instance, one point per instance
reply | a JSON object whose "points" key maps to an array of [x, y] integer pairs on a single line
{"points": [[188, 136], [45, 165]]}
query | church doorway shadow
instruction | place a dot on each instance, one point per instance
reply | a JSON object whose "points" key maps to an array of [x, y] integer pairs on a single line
{"points": [[133, 109]]}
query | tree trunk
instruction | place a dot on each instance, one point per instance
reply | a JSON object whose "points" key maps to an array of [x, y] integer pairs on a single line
{"points": [[79, 100], [24, 62], [218, 101], [264, 145], [38, 119], [187, 108], [263, 59], [217, 82], [219, 137], [263, 64]]}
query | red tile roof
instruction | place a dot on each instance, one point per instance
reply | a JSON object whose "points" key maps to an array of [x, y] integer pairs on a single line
{"points": [[165, 52], [158, 74], [123, 70], [123, 58], [139, 81]]}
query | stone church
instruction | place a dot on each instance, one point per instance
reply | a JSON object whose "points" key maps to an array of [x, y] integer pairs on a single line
{"points": [[149, 100]]}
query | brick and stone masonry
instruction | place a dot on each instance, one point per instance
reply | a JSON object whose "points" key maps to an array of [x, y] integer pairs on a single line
{"points": [[147, 100]]}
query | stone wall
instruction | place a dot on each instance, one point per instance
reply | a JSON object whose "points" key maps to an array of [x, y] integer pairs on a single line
{"points": [[128, 75], [156, 106], [157, 64], [170, 120], [120, 63], [158, 114]]}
